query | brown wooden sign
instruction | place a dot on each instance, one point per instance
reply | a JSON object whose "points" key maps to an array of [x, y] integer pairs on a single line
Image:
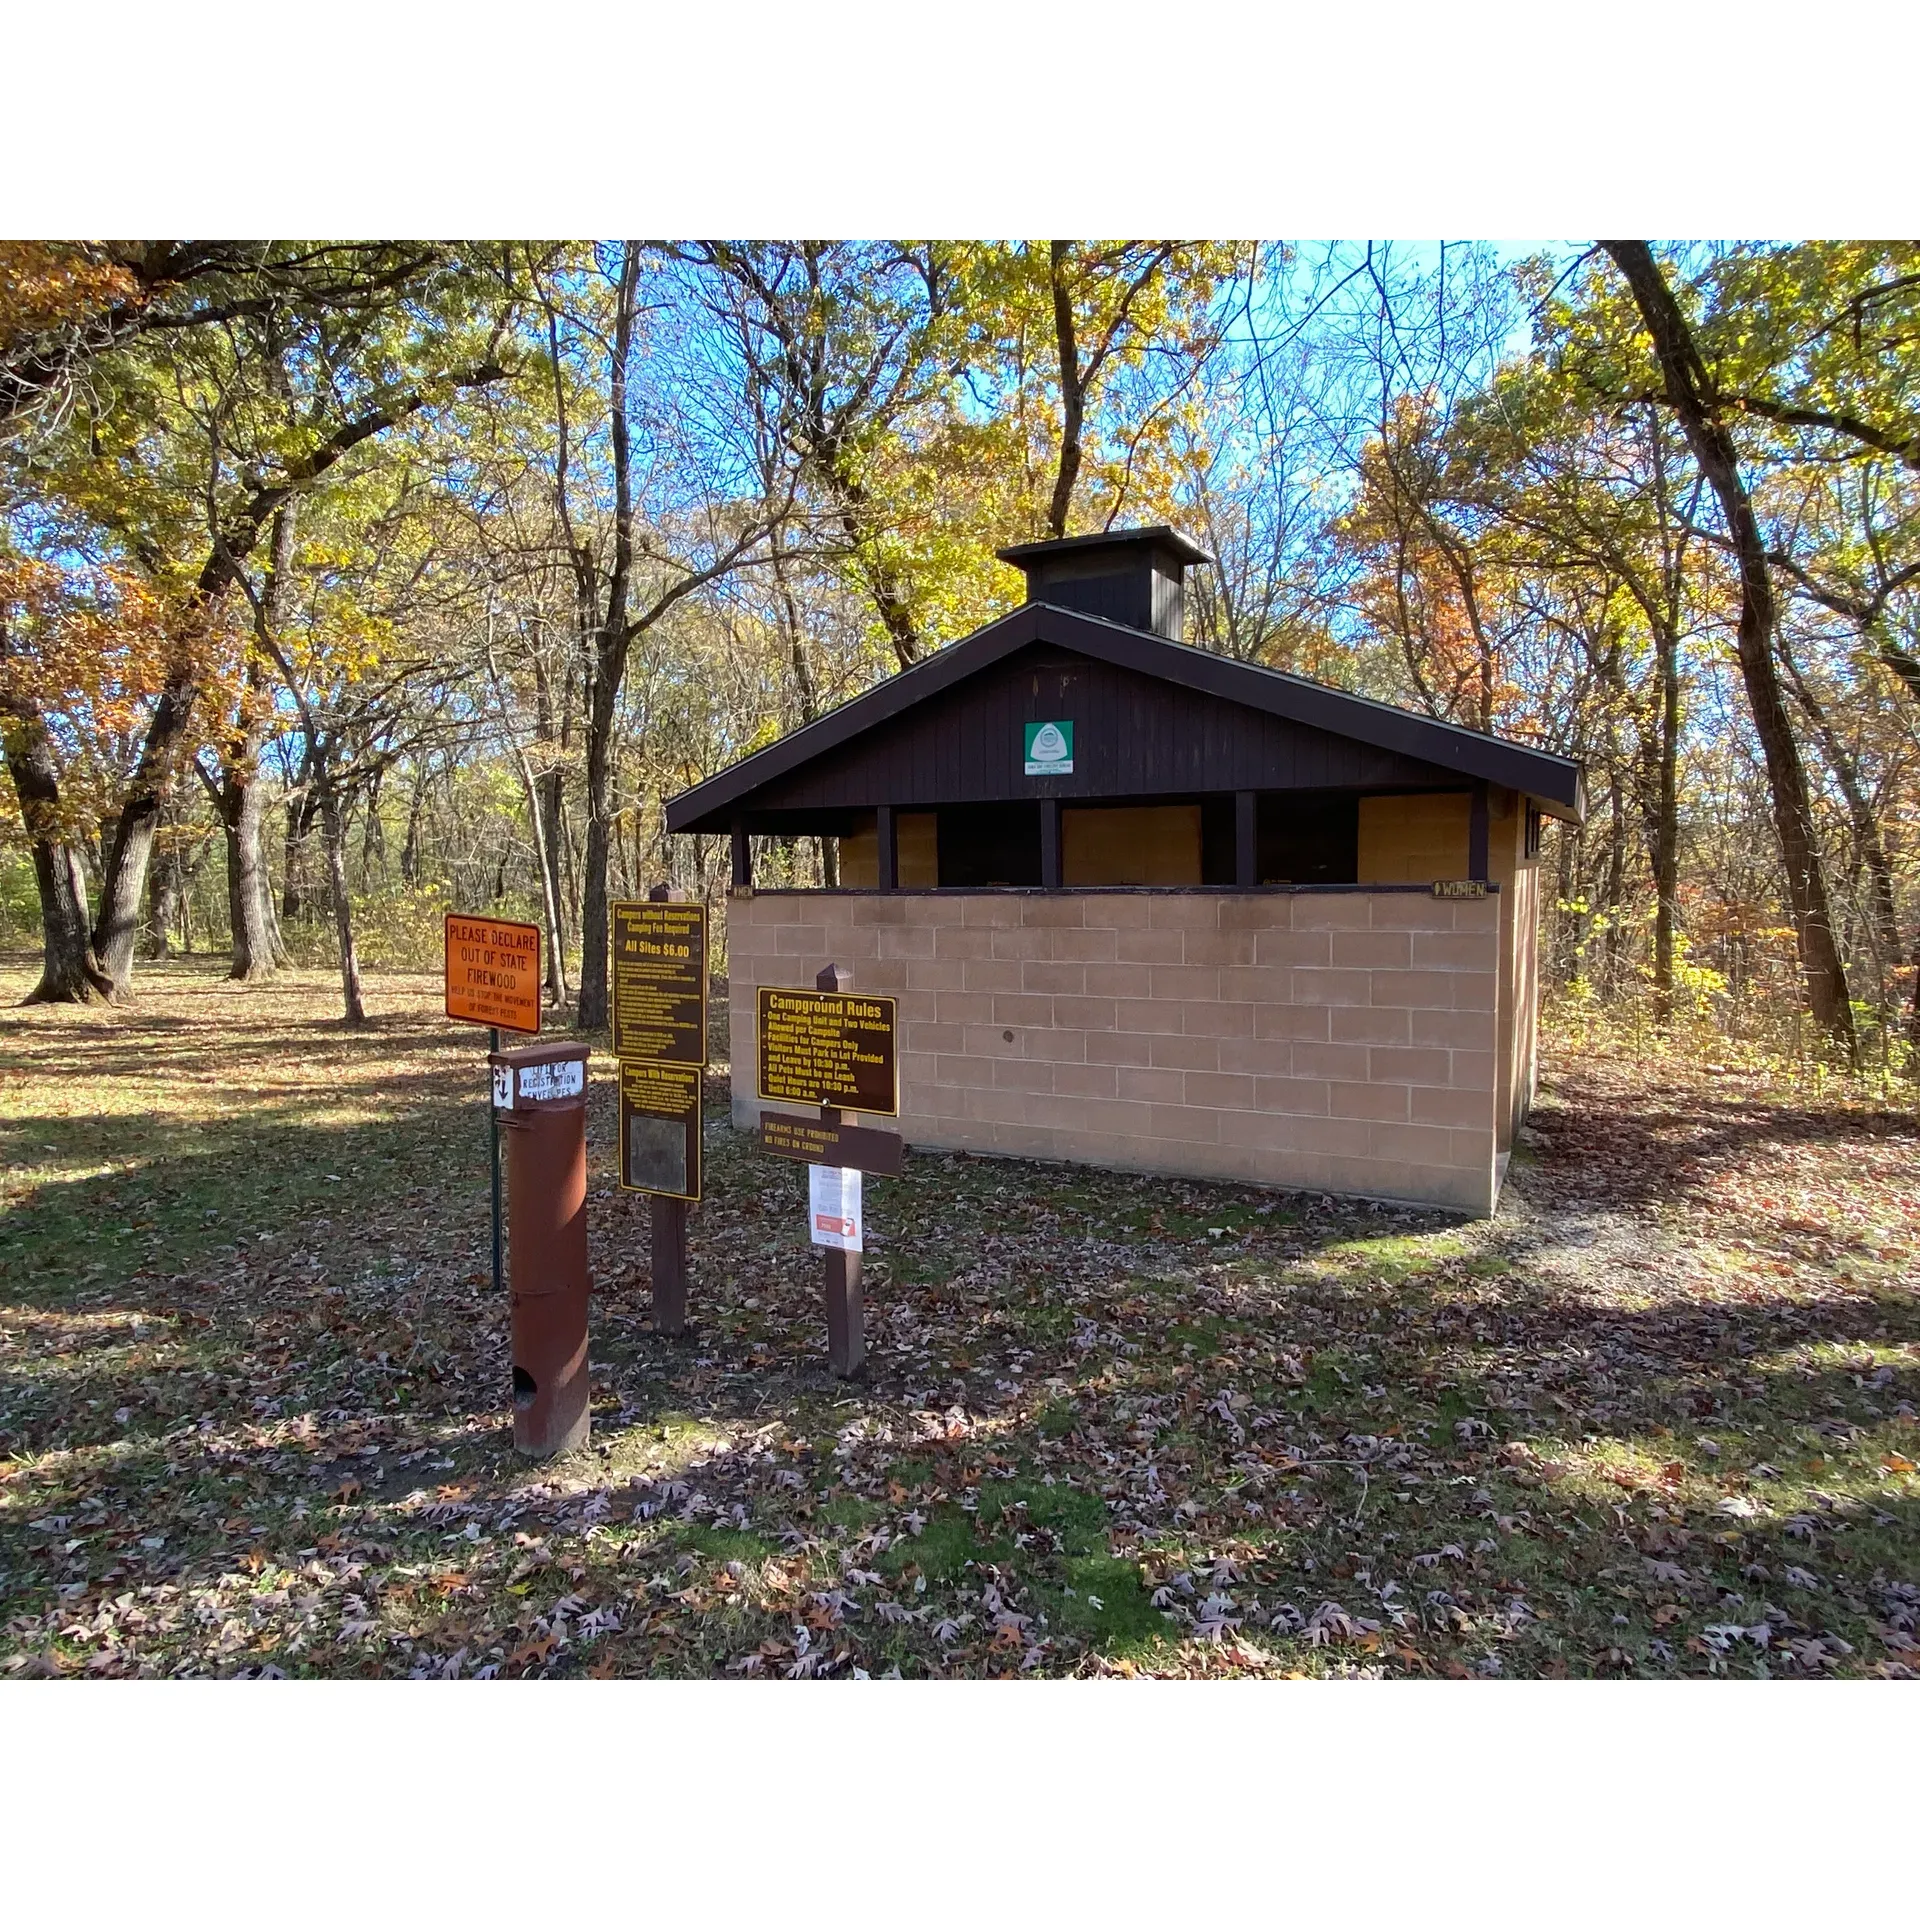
{"points": [[660, 980], [660, 1128], [828, 1049], [829, 1143], [493, 973], [1459, 889]]}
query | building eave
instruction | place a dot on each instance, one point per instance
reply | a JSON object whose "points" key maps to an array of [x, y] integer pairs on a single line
{"points": [[1554, 783]]}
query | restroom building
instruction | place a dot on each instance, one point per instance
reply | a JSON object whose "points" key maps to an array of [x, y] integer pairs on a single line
{"points": [[1144, 906]]}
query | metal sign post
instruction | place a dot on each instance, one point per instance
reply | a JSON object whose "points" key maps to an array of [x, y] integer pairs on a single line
{"points": [[493, 981], [493, 1157]]}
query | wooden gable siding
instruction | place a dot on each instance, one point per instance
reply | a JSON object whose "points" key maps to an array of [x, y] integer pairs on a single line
{"points": [[1134, 736]]}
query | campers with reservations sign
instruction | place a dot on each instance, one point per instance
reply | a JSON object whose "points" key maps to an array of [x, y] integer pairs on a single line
{"points": [[660, 1128]]}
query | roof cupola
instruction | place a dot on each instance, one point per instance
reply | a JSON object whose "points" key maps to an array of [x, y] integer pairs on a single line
{"points": [[1134, 576]]}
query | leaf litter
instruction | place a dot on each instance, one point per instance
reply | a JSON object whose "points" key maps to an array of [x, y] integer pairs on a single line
{"points": [[1657, 1418]]}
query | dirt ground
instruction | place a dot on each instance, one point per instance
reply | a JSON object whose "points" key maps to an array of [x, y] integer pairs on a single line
{"points": [[1655, 1418]]}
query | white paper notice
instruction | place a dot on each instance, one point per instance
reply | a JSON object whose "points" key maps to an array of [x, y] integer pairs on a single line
{"points": [[833, 1206], [552, 1080]]}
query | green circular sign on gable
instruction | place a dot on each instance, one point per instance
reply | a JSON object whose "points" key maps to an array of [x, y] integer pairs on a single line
{"points": [[1049, 746]]}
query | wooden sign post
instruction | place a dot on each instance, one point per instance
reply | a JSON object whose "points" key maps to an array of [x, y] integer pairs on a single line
{"points": [[846, 1306], [493, 981], [660, 1035], [837, 1048]]}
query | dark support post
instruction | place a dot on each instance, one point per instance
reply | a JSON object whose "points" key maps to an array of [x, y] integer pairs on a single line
{"points": [[669, 1214], [742, 856], [1050, 843], [493, 1156], [1246, 825], [669, 1265], [888, 848], [846, 1317], [1477, 834]]}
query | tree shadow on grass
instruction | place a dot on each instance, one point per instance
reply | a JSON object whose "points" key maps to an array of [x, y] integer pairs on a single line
{"points": [[1072, 1347], [1666, 1145]]}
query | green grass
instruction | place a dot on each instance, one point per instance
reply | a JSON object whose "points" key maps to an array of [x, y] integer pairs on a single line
{"points": [[253, 1387]]}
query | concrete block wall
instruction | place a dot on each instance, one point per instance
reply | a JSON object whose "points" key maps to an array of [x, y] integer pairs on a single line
{"points": [[1519, 881], [1338, 1041]]}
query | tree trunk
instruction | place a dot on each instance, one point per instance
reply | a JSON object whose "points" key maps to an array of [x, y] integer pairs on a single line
{"points": [[242, 803], [1690, 392], [1566, 931], [1666, 822], [1616, 882], [333, 828], [886, 583], [410, 846], [373, 838], [549, 881], [302, 811], [594, 1008], [1870, 844], [117, 930], [1662, 604], [1073, 397], [1913, 1018], [805, 688], [68, 971], [803, 682], [166, 881], [611, 644], [548, 804], [546, 795], [241, 800], [276, 939]]}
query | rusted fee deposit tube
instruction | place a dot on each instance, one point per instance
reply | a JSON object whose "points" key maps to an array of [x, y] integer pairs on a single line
{"points": [[540, 1094]]}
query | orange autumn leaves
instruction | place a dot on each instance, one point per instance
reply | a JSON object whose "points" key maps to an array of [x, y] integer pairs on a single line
{"points": [[1427, 584], [49, 285], [84, 651]]}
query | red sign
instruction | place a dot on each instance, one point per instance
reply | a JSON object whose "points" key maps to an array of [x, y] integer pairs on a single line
{"points": [[493, 973]]}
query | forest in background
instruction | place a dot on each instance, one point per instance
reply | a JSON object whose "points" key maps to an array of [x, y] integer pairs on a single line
{"points": [[345, 584]]}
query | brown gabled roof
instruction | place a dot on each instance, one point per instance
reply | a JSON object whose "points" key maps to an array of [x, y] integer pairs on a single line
{"points": [[1556, 784]]}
